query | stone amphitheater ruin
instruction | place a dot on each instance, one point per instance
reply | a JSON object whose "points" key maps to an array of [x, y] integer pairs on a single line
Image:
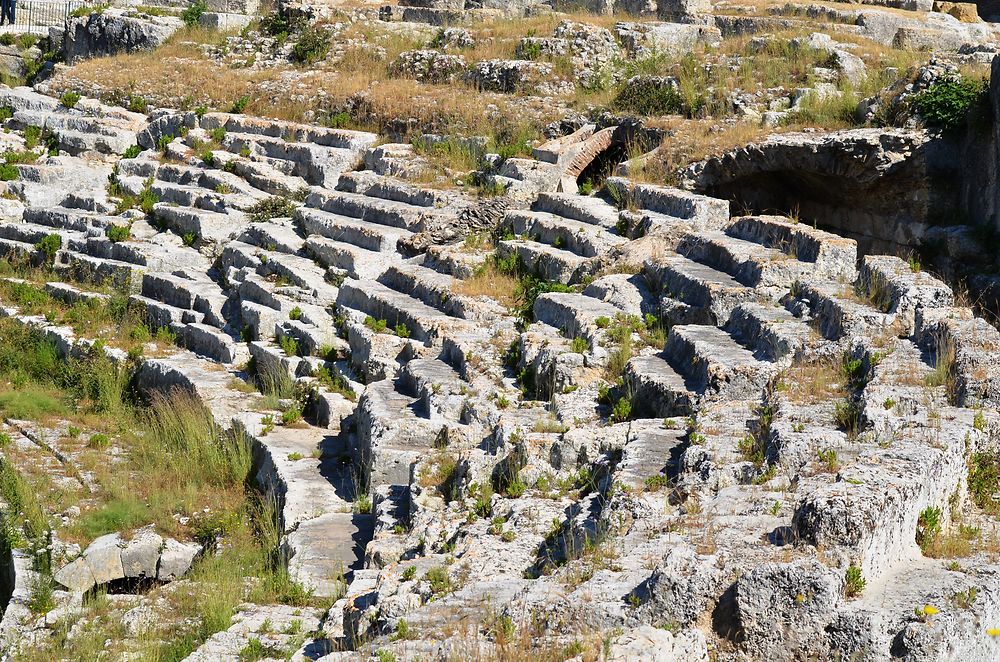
{"points": [[459, 330]]}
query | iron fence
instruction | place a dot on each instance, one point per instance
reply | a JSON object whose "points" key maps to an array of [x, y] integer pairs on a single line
{"points": [[39, 15]]}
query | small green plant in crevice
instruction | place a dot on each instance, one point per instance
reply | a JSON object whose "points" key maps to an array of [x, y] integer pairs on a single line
{"points": [[118, 233], [69, 99], [49, 245], [289, 345], [621, 411], [189, 239], [410, 573], [579, 345], [270, 208], [295, 313], [854, 582], [928, 527], [828, 458], [363, 504], [983, 479], [847, 415], [402, 330], [438, 579], [378, 326]]}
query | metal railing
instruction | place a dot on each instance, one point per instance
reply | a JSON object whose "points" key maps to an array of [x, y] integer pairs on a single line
{"points": [[39, 15]]}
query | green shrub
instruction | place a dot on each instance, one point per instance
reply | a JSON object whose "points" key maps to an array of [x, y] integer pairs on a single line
{"points": [[984, 478], [218, 134], [99, 440], [946, 103], [194, 11], [622, 410], [49, 245], [137, 104], [163, 142], [928, 527], [6, 112], [295, 313], [289, 345], [117, 233], [189, 238], [9, 172], [70, 99], [402, 331], [313, 45], [409, 573], [7, 39], [854, 582], [132, 152], [32, 136], [240, 104], [579, 345], [41, 594], [438, 579], [270, 208], [649, 96]]}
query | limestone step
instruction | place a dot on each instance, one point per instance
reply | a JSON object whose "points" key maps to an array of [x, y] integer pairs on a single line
{"points": [[547, 262], [299, 270], [838, 312], [627, 292], [194, 196], [706, 295], [29, 233], [159, 314], [375, 186], [441, 390], [391, 436], [720, 368], [86, 268], [266, 177], [204, 225], [750, 263], [317, 164], [212, 343], [581, 238], [582, 208], [70, 219], [573, 314], [650, 450], [374, 210], [774, 332], [656, 388], [833, 256], [702, 212], [347, 229], [358, 262], [430, 286], [700, 363], [327, 548], [12, 249], [970, 344], [895, 288], [274, 236], [203, 296], [372, 298]]}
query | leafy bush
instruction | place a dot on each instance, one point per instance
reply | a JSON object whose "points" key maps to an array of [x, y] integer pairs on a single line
{"points": [[7, 39], [132, 152], [70, 99], [49, 245], [289, 345], [9, 172], [116, 233], [928, 527], [163, 142], [313, 45], [269, 208], [137, 104], [241, 104], [295, 313], [854, 582], [193, 13], [946, 103], [984, 477], [649, 96], [6, 112]]}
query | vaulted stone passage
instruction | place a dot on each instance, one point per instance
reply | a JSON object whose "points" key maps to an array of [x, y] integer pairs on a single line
{"points": [[883, 188]]}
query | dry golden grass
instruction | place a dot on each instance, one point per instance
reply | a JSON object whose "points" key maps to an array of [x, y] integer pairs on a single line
{"points": [[819, 381], [490, 283]]}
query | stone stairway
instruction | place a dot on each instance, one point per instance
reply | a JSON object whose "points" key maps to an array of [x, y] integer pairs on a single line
{"points": [[563, 232]]}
